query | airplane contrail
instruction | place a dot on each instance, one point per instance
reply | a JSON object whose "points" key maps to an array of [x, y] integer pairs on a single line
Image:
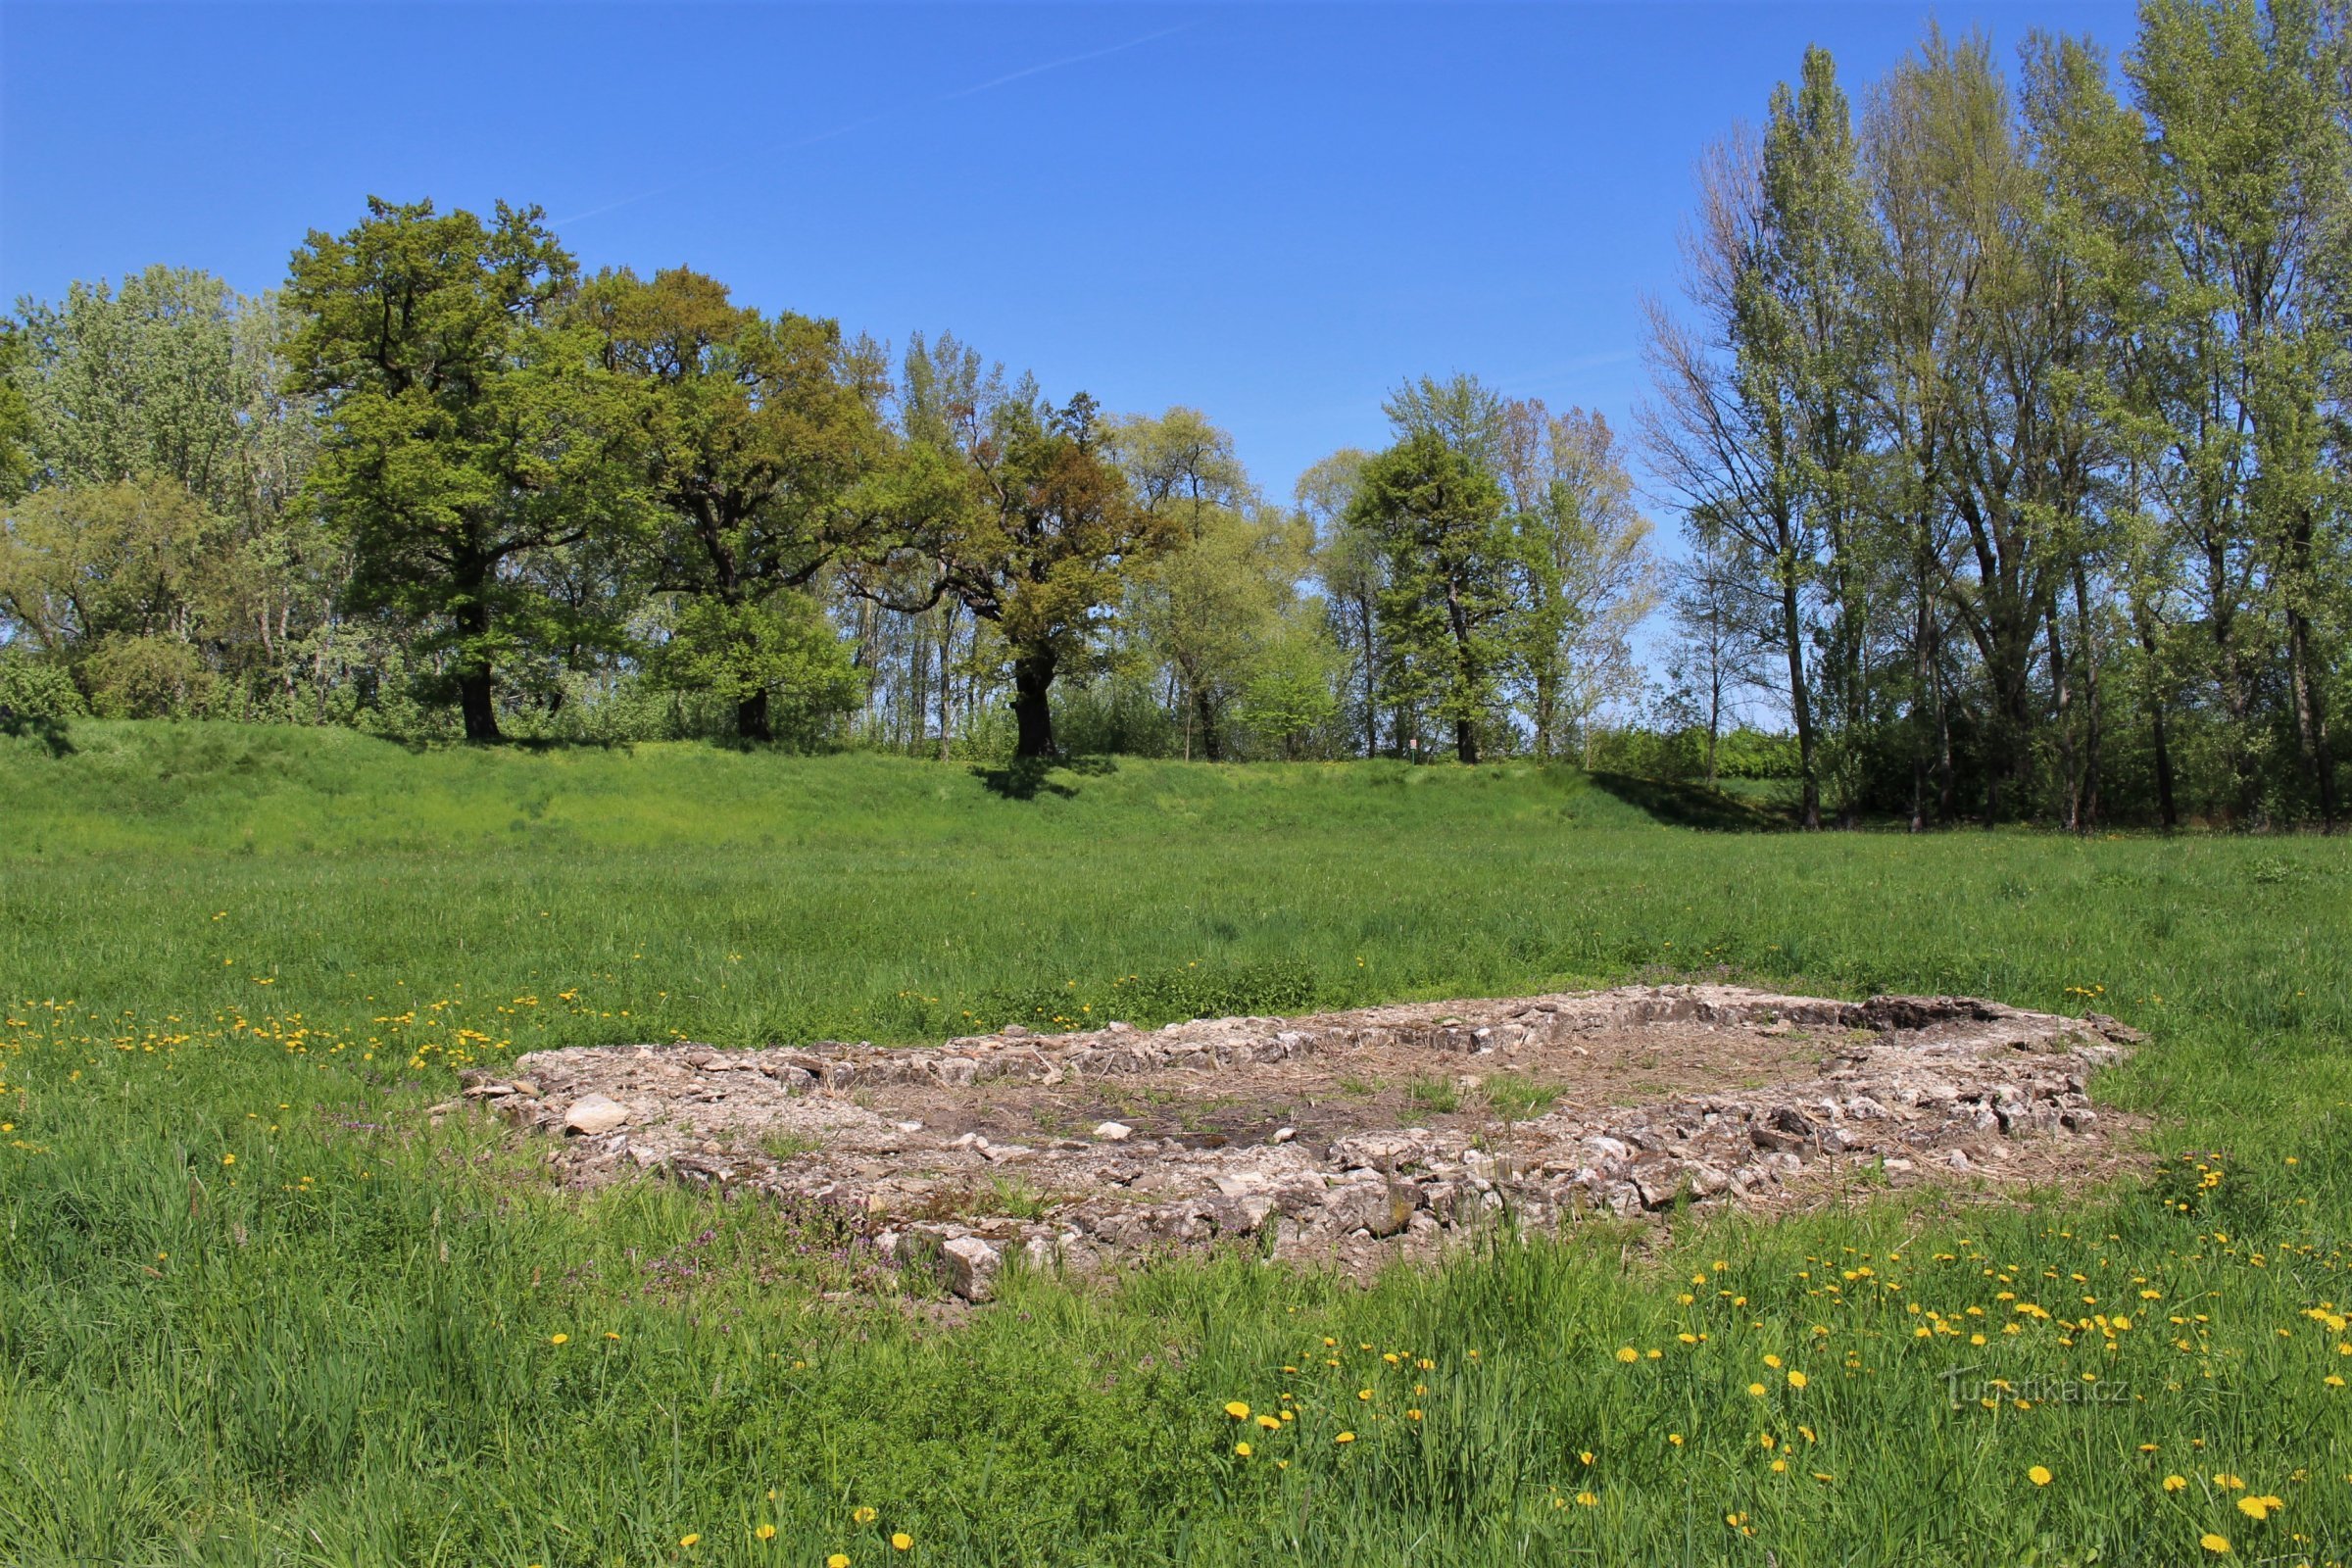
{"points": [[860, 124], [1056, 65]]}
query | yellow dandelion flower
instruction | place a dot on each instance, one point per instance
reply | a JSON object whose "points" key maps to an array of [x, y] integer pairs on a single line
{"points": [[1242, 1449], [1345, 1436], [1797, 1380], [1675, 1437], [2228, 1482], [1237, 1409], [1773, 1362], [902, 1542], [2176, 1483], [688, 1539], [2218, 1545], [1270, 1423], [766, 1532], [558, 1339], [1586, 1499], [2039, 1475], [2258, 1507], [1629, 1356], [1756, 1389], [864, 1516]]}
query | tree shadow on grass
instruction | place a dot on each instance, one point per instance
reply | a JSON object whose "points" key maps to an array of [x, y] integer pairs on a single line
{"points": [[1692, 805], [1025, 778], [45, 728]]}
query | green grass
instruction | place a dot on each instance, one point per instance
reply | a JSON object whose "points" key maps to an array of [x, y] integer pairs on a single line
{"points": [[275, 945]]}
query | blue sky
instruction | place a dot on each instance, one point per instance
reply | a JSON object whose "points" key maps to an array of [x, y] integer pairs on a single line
{"points": [[1271, 213]]}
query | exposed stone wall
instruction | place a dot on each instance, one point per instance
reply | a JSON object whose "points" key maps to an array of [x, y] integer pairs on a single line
{"points": [[1932, 1085]]}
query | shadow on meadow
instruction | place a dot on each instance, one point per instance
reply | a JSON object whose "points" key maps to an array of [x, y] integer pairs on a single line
{"points": [[44, 728], [1691, 806], [1025, 778]]}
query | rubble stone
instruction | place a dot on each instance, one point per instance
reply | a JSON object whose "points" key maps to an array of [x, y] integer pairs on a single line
{"points": [[1925, 1088]]}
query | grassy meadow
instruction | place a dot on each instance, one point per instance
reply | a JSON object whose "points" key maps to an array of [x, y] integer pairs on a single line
{"points": [[254, 1310]]}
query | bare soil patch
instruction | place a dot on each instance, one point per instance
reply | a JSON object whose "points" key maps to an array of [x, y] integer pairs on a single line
{"points": [[1386, 1125]]}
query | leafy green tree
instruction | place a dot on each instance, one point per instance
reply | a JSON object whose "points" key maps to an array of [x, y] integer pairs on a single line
{"points": [[1208, 607], [1291, 693], [1448, 607], [112, 583], [142, 379], [2248, 108], [781, 651], [1348, 564], [16, 417], [751, 433], [468, 433], [1589, 577], [175, 375], [1761, 425], [1014, 510]]}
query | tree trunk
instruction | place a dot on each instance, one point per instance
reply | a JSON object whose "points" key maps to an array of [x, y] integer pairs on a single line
{"points": [[947, 639], [1213, 745], [2159, 741], [751, 717], [1465, 729], [2086, 655], [473, 701], [1033, 719], [2311, 718], [474, 677], [2062, 693], [1801, 709]]}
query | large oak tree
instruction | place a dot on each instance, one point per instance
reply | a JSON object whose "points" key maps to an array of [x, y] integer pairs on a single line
{"points": [[470, 435]]}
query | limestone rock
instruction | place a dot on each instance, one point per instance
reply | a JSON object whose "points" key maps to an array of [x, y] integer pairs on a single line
{"points": [[972, 1266], [591, 1115]]}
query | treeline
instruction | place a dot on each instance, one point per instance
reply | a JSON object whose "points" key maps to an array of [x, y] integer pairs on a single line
{"points": [[2008, 424], [443, 482], [2011, 426]]}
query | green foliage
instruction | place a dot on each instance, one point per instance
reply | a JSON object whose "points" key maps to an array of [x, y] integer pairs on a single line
{"points": [[1447, 601], [472, 453], [1289, 694], [1013, 509], [783, 651], [38, 697], [15, 415], [750, 433]]}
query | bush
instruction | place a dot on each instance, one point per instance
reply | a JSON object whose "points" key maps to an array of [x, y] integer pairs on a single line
{"points": [[36, 698]]}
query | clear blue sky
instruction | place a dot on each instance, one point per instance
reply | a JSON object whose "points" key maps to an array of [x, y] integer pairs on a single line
{"points": [[1270, 212]]}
